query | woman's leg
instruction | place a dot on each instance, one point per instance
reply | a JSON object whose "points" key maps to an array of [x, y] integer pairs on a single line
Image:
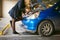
{"points": [[13, 25]]}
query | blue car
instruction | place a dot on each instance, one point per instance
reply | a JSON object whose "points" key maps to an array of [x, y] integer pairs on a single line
{"points": [[44, 21]]}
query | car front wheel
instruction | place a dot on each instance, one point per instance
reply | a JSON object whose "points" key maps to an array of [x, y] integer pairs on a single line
{"points": [[45, 28]]}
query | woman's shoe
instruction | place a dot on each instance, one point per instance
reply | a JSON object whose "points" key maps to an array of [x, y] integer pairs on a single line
{"points": [[15, 32]]}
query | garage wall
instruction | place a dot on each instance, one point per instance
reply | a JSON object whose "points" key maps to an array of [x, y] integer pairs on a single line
{"points": [[7, 5], [0, 8]]}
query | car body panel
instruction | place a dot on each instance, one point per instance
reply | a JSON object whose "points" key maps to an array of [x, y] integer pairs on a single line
{"points": [[48, 14]]}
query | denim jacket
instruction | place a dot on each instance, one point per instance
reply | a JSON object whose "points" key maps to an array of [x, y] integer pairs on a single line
{"points": [[17, 9]]}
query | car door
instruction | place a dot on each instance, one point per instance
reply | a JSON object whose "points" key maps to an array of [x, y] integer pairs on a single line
{"points": [[57, 16]]}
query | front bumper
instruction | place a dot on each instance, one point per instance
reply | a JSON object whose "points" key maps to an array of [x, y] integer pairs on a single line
{"points": [[28, 30], [30, 25]]}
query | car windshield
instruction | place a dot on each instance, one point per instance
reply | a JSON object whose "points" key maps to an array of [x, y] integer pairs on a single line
{"points": [[49, 3], [44, 4], [35, 4]]}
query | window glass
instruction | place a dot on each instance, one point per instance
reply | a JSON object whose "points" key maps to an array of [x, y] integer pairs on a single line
{"points": [[49, 3], [44, 4], [38, 5], [58, 7]]}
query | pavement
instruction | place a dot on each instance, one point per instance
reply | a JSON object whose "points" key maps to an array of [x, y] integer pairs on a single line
{"points": [[24, 35], [28, 37]]}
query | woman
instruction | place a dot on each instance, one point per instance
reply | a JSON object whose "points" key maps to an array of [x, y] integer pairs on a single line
{"points": [[16, 12]]}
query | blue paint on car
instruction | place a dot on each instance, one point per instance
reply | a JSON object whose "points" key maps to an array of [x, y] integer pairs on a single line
{"points": [[47, 14]]}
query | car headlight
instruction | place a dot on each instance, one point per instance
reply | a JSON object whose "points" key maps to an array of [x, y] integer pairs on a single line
{"points": [[35, 15]]}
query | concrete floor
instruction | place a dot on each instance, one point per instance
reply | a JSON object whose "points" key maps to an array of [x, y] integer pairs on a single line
{"points": [[25, 35], [19, 29], [28, 37]]}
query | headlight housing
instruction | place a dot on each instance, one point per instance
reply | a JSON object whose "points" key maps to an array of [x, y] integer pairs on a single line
{"points": [[35, 15]]}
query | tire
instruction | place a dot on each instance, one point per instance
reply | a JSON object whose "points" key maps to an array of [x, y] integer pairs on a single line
{"points": [[45, 28]]}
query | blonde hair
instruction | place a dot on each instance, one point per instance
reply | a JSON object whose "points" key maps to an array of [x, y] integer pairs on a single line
{"points": [[27, 5], [27, 2]]}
